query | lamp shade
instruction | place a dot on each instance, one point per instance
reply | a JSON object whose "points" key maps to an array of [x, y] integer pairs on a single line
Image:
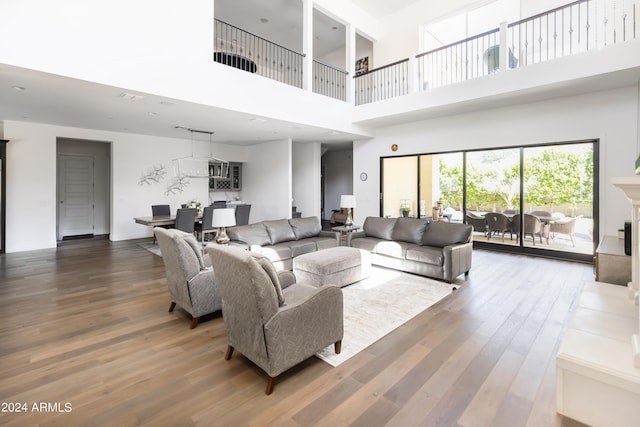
{"points": [[224, 217], [347, 201]]}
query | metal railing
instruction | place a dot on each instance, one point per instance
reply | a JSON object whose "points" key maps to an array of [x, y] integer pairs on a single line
{"points": [[464, 60], [385, 82], [576, 27], [242, 49], [329, 81]]}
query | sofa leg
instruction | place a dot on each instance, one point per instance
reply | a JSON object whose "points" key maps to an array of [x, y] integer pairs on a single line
{"points": [[338, 346], [229, 353], [270, 384], [172, 306], [194, 322]]}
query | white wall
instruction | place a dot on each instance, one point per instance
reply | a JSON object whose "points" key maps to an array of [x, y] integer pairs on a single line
{"points": [[269, 170], [338, 179], [306, 178], [611, 116], [31, 180]]}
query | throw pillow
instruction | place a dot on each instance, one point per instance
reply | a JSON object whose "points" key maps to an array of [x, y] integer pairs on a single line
{"points": [[305, 227], [279, 231]]}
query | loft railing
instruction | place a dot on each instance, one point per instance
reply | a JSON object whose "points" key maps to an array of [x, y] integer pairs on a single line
{"points": [[329, 81], [244, 50], [576, 27], [381, 83], [464, 60]]}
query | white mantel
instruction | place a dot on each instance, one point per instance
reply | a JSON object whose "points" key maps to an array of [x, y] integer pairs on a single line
{"points": [[631, 187]]}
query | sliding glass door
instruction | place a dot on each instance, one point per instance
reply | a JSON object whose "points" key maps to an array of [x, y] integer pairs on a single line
{"points": [[534, 199]]}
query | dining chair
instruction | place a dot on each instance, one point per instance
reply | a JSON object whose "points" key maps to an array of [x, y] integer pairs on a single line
{"points": [[205, 226], [478, 222], [160, 210], [186, 219], [242, 214]]}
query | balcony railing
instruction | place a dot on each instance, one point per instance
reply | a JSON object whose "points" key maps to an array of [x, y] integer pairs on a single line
{"points": [[381, 83], [242, 49], [576, 27], [329, 81], [464, 60]]}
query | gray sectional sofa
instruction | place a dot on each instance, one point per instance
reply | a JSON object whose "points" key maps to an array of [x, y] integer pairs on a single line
{"points": [[283, 239], [433, 249]]}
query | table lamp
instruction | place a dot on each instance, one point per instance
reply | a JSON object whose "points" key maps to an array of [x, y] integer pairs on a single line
{"points": [[223, 218], [348, 201]]}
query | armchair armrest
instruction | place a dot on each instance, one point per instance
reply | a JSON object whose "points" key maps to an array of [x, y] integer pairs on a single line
{"points": [[312, 323], [203, 293], [355, 235]]}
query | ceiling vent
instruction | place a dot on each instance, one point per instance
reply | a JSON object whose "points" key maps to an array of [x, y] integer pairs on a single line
{"points": [[131, 96]]}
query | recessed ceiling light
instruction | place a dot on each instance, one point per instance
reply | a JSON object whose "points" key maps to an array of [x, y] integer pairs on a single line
{"points": [[258, 120], [264, 20], [334, 28], [152, 113], [333, 133], [20, 88], [167, 103]]}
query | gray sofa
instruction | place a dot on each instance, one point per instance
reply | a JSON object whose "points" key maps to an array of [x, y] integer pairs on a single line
{"points": [[283, 239], [433, 249]]}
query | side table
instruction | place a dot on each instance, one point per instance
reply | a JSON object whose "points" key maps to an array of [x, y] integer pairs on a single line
{"points": [[344, 230]]}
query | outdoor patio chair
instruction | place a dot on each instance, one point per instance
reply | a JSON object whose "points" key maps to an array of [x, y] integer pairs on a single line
{"points": [[564, 226], [479, 223], [532, 227], [498, 223]]}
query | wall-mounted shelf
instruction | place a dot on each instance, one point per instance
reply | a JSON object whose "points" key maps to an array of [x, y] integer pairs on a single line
{"points": [[225, 180]]}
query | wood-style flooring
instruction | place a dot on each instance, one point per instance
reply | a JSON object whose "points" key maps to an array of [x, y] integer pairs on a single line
{"points": [[85, 330]]}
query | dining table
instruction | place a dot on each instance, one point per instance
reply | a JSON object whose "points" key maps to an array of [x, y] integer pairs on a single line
{"points": [[159, 220]]}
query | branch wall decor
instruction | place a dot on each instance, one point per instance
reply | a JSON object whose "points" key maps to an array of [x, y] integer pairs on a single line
{"points": [[178, 184], [154, 175]]}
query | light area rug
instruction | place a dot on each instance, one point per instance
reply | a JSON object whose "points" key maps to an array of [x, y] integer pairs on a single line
{"points": [[378, 305], [375, 306]]}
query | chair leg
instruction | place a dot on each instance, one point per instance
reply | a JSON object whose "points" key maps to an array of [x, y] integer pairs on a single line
{"points": [[194, 322], [229, 353], [270, 384], [337, 346], [172, 306]]}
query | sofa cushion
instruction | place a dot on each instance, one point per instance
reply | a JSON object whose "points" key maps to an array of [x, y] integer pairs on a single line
{"points": [[323, 242], [426, 255], [279, 231], [305, 227], [380, 228], [274, 253], [409, 230], [366, 243], [393, 249], [300, 247], [273, 275], [251, 234], [441, 234]]}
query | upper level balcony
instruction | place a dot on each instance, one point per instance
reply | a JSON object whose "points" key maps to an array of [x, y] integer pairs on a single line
{"points": [[584, 46]]}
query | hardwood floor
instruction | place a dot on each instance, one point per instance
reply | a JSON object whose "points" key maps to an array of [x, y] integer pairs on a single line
{"points": [[87, 325]]}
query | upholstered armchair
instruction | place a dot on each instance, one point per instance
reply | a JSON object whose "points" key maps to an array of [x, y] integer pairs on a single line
{"points": [[273, 321], [190, 279]]}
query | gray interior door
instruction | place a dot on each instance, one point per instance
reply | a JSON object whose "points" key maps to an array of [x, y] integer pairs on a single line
{"points": [[75, 195]]}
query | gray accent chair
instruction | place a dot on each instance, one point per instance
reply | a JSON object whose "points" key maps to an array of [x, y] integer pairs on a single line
{"points": [[190, 278], [273, 321]]}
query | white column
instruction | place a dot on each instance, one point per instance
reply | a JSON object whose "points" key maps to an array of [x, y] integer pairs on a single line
{"points": [[350, 62], [307, 44], [504, 49]]}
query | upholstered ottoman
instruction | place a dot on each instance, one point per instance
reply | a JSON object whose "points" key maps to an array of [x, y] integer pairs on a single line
{"points": [[338, 266]]}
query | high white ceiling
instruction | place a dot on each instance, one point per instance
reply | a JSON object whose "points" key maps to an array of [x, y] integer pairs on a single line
{"points": [[381, 8]]}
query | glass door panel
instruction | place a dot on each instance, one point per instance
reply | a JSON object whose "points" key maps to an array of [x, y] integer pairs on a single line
{"points": [[493, 194], [558, 196], [441, 181], [399, 186]]}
